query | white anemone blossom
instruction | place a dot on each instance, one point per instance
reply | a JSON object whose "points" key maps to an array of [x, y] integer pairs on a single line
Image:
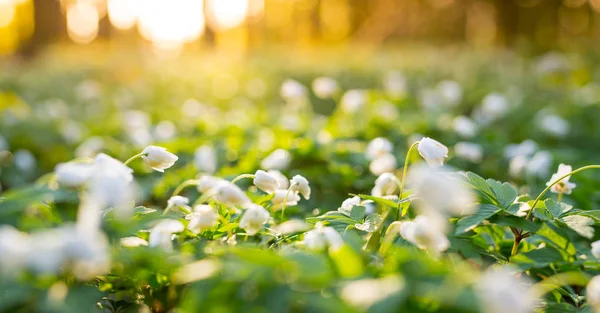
{"points": [[426, 233], [300, 184], [111, 185], [469, 151], [386, 184], [209, 184], [265, 182], [278, 160], [353, 100], [230, 194], [203, 217], [279, 197], [564, 186], [161, 234], [383, 164], [178, 201], [158, 158], [323, 237], [596, 249], [348, 204], [325, 87], [283, 181], [378, 147], [500, 290], [292, 89], [73, 174], [254, 218], [432, 151], [465, 127], [205, 159], [593, 293]]}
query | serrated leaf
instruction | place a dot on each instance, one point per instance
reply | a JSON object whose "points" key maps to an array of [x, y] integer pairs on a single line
{"points": [[505, 193], [580, 224], [537, 258], [358, 212], [482, 187], [557, 209], [516, 222], [469, 222]]}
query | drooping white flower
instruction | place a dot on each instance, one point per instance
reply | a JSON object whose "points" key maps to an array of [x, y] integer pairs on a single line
{"points": [[283, 181], [300, 184], [321, 238], [592, 293], [465, 127], [203, 217], [205, 159], [440, 191], [254, 218], [178, 201], [160, 235], [325, 87], [433, 152], [208, 184], [383, 164], [279, 197], [501, 291], [469, 151], [348, 204], [73, 174], [230, 194], [353, 100], [292, 89], [265, 182], [110, 185], [385, 184], [424, 232], [564, 185], [278, 160], [133, 241], [596, 249], [378, 147], [158, 158]]}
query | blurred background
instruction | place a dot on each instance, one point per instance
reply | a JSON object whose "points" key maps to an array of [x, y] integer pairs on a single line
{"points": [[29, 26]]}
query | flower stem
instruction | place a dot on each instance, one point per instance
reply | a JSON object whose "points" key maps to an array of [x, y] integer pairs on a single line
{"points": [[559, 198], [242, 177], [187, 183], [131, 159], [404, 171], [285, 200]]}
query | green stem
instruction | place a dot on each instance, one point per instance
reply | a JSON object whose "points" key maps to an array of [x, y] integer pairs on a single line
{"points": [[242, 177], [559, 198], [404, 171], [131, 159], [187, 183], [285, 200]]}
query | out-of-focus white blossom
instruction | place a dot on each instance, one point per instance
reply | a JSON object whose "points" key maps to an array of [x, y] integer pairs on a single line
{"points": [[203, 217], [554, 125], [430, 99], [325, 87], [593, 293], [500, 290], [432, 151], [133, 241], [321, 238], [300, 184], [539, 164], [158, 158], [279, 197], [73, 174], [493, 107], [518, 166], [266, 182], [254, 218], [205, 159], [292, 226], [90, 147], [292, 89], [469, 151], [395, 84], [353, 100], [165, 130], [385, 184], [378, 147], [111, 185], [209, 184], [450, 92], [160, 235], [14, 246], [283, 181], [178, 201], [348, 204], [564, 185], [230, 194], [526, 148], [383, 164], [596, 249], [365, 293], [278, 160], [425, 232], [465, 127], [25, 160]]}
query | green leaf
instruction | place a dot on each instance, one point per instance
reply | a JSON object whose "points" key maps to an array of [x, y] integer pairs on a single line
{"points": [[357, 212], [537, 258], [467, 223], [505, 193], [383, 201], [482, 187], [371, 223], [516, 222], [557, 209], [549, 234]]}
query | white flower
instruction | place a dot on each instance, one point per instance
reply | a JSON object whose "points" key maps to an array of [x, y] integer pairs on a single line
{"points": [[524, 208], [432, 151], [385, 185], [450, 92], [366, 294], [283, 181], [158, 158], [24, 160], [517, 166], [321, 238], [207, 183], [525, 148], [494, 106], [439, 191], [292, 89], [160, 235], [353, 100], [383, 164], [254, 218], [231, 194], [133, 241], [73, 174], [424, 233], [469, 151], [501, 291], [279, 196], [596, 249], [378, 147], [593, 293], [203, 217], [554, 125], [300, 184], [292, 226], [539, 165], [348, 204], [278, 160], [205, 159], [465, 127], [564, 186], [90, 147], [178, 201], [14, 246], [265, 181], [325, 87], [429, 98], [395, 84], [110, 185]]}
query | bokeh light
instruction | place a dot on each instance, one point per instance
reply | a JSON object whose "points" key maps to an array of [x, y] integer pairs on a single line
{"points": [[123, 14], [226, 14], [82, 22]]}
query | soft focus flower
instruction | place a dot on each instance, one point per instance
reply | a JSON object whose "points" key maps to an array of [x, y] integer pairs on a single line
{"points": [[14, 246], [278, 160], [348, 204], [593, 293], [178, 201], [367, 293], [425, 232], [353, 100], [203, 217], [383, 164], [526, 148], [207, 183], [385, 185], [539, 164], [110, 185], [300, 184], [133, 241], [283, 181], [501, 291], [395, 84], [325, 87], [430, 98], [4, 146], [321, 238], [73, 174], [25, 160], [230, 194], [563, 186], [494, 106], [524, 209], [450, 92], [433, 152], [158, 158], [254, 218], [205, 159], [554, 125], [596, 249], [265, 182], [160, 235], [279, 197], [465, 127], [90, 147], [469, 151], [292, 226], [378, 147], [292, 89]]}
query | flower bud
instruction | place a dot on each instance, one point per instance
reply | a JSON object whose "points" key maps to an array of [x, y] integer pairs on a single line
{"points": [[254, 218], [158, 158], [73, 174], [203, 217], [300, 184], [265, 182], [433, 152], [230, 194]]}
